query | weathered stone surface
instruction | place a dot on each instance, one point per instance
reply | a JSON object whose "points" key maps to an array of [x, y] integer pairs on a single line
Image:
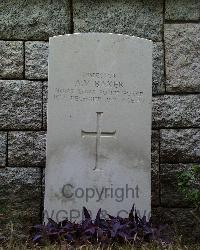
{"points": [[21, 104], [181, 145], [176, 111], [158, 68], [3, 142], [139, 18], [155, 168], [11, 59], [182, 46], [36, 60], [182, 10], [45, 96], [43, 183], [26, 148], [180, 220], [37, 20], [20, 191], [170, 195], [79, 157]]}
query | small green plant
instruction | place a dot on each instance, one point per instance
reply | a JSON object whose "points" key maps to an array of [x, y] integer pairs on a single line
{"points": [[189, 185]]}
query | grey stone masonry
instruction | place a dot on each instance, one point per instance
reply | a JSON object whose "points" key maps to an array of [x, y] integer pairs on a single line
{"points": [[26, 148], [25, 28], [182, 46], [155, 168], [158, 68], [11, 59], [3, 142], [181, 222], [20, 199], [180, 145], [182, 10], [34, 20], [21, 104], [36, 60], [138, 18], [176, 111], [170, 194]]}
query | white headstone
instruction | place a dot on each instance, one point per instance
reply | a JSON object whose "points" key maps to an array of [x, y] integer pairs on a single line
{"points": [[99, 125]]}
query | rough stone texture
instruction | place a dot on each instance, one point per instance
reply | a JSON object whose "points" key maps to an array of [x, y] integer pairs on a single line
{"points": [[182, 46], [34, 20], [45, 96], [155, 168], [20, 191], [180, 220], [139, 18], [170, 195], [176, 111], [3, 142], [182, 10], [21, 104], [11, 59], [26, 148], [43, 183], [36, 60], [158, 68], [180, 145], [21, 101]]}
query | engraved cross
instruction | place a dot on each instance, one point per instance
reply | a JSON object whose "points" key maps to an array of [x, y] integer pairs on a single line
{"points": [[98, 134]]}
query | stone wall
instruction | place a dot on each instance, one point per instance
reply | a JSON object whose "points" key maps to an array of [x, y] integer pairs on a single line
{"points": [[25, 27]]}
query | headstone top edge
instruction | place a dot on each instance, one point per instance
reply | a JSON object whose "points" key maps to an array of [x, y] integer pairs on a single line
{"points": [[101, 34]]}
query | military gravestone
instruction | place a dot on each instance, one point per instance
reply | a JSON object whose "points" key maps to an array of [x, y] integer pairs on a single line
{"points": [[99, 125]]}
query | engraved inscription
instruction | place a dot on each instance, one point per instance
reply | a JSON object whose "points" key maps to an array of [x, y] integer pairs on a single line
{"points": [[98, 88]]}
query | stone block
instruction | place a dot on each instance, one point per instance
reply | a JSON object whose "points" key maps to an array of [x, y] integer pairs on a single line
{"points": [[34, 20], [182, 10], [170, 193], [180, 145], [182, 46], [180, 222], [138, 18], [176, 111], [20, 199], [26, 148], [11, 59], [155, 186], [36, 60], [3, 143], [21, 104], [158, 68]]}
